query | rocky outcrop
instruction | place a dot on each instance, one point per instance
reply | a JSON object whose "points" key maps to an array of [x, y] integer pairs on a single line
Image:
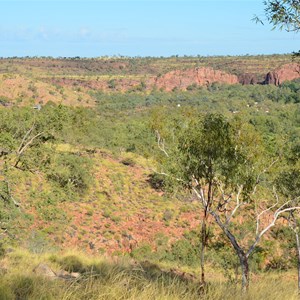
{"points": [[193, 77], [247, 79], [284, 73]]}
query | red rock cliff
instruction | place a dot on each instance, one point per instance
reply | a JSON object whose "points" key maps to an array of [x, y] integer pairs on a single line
{"points": [[199, 76], [284, 73]]}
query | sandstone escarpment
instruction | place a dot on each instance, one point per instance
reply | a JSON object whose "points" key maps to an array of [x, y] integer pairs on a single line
{"points": [[198, 76], [284, 73]]}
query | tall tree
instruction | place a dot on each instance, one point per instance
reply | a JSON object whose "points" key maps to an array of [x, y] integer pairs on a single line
{"points": [[223, 164], [288, 183]]}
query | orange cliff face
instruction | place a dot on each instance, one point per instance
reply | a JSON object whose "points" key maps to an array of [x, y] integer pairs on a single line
{"points": [[284, 73], [198, 76]]}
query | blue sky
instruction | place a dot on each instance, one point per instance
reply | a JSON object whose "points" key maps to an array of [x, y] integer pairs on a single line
{"points": [[138, 28]]}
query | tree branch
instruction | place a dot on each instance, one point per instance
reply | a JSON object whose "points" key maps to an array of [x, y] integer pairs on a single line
{"points": [[23, 147], [264, 211], [276, 215], [161, 143], [237, 206]]}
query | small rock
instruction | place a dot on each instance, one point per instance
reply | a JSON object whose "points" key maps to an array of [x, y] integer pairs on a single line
{"points": [[66, 275], [75, 274], [44, 270]]}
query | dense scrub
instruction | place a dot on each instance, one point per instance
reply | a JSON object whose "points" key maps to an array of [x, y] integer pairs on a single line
{"points": [[99, 166]]}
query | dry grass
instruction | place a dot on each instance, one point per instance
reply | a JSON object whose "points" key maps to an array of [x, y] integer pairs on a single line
{"points": [[103, 278]]}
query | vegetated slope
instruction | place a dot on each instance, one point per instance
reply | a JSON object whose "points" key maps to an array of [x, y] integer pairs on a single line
{"points": [[21, 90], [123, 212], [118, 213]]}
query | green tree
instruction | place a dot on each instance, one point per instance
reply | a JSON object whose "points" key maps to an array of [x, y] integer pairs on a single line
{"points": [[288, 183], [283, 14], [223, 163]]}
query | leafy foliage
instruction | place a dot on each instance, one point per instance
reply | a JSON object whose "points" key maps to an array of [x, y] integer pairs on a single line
{"points": [[283, 14]]}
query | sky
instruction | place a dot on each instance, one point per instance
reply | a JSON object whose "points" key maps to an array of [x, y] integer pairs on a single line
{"points": [[93, 28]]}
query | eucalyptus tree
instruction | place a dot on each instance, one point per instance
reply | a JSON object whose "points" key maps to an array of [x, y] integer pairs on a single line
{"points": [[282, 14], [225, 165], [288, 184]]}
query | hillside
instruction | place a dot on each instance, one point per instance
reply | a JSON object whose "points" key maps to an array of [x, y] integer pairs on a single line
{"points": [[99, 167], [120, 211], [68, 80]]}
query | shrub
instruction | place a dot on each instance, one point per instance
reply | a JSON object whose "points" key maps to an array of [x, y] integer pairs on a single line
{"points": [[71, 172], [142, 252], [277, 263], [111, 84], [185, 253], [2, 250], [128, 162], [168, 215], [72, 263], [156, 181]]}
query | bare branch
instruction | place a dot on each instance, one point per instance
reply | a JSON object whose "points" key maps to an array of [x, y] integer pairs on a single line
{"points": [[161, 143], [25, 137], [265, 211], [237, 206], [200, 195], [263, 172], [25, 146], [168, 175], [20, 151], [276, 215]]}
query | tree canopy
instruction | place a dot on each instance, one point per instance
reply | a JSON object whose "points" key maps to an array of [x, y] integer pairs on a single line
{"points": [[283, 14]]}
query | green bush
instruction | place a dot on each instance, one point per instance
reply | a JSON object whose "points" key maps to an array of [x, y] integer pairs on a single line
{"points": [[185, 253], [2, 250], [142, 252], [71, 263], [128, 162], [71, 172], [156, 181]]}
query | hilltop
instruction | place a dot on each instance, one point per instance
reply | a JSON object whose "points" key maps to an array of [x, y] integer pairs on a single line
{"points": [[69, 80]]}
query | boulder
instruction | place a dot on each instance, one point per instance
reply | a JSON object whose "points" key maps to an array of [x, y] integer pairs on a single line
{"points": [[44, 270]]}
